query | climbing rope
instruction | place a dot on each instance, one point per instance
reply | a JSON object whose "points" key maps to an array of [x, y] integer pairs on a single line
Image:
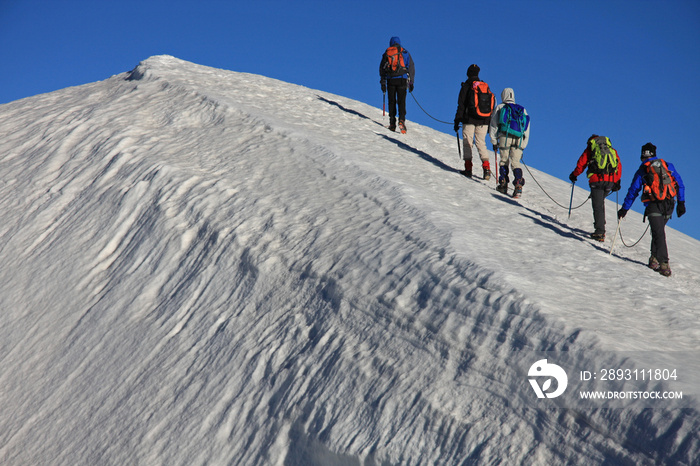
{"points": [[419, 105], [637, 242], [617, 204], [547, 194]]}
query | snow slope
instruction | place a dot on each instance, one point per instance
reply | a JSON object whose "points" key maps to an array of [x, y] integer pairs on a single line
{"points": [[209, 267]]}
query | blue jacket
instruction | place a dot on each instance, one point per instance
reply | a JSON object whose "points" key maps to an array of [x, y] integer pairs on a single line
{"points": [[406, 59], [638, 183]]}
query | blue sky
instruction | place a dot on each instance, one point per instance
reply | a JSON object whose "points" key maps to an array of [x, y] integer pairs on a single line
{"points": [[624, 69]]}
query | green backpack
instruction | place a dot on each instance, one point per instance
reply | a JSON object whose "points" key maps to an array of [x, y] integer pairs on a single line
{"points": [[603, 159]]}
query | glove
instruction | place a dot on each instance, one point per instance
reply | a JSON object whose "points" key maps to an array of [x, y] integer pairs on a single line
{"points": [[410, 87], [456, 126], [383, 87], [680, 208], [621, 213], [573, 177], [616, 186]]}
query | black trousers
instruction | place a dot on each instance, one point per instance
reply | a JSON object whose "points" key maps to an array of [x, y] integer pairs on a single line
{"points": [[658, 214], [396, 90], [598, 193]]}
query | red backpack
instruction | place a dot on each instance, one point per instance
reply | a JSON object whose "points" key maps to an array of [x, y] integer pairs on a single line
{"points": [[659, 184], [483, 101]]}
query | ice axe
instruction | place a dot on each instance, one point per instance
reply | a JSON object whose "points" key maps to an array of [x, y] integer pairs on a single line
{"points": [[572, 198], [459, 146]]}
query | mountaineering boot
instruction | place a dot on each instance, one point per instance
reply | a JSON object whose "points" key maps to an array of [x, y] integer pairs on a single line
{"points": [[665, 269], [654, 264], [467, 169], [402, 126], [598, 236], [519, 182], [487, 170], [502, 186], [392, 124]]}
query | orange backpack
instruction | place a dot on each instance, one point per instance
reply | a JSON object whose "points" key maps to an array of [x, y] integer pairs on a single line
{"points": [[395, 65], [484, 100], [659, 184]]}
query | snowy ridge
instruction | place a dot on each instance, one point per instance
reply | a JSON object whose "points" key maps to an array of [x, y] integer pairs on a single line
{"points": [[209, 267]]}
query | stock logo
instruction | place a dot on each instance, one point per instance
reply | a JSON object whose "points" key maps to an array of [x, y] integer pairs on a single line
{"points": [[542, 369]]}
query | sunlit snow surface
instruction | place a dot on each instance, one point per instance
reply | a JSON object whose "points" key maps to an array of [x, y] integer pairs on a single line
{"points": [[208, 267]]}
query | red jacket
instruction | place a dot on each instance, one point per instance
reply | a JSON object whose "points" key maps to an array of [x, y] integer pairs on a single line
{"points": [[595, 177]]}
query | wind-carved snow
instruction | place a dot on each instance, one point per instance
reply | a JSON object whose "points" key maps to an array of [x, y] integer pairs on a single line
{"points": [[209, 267]]}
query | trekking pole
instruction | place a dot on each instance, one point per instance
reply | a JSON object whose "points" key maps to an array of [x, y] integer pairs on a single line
{"points": [[384, 104], [571, 201], [619, 221], [459, 146]]}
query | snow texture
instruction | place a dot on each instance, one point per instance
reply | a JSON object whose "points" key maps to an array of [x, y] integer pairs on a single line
{"points": [[209, 267]]}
